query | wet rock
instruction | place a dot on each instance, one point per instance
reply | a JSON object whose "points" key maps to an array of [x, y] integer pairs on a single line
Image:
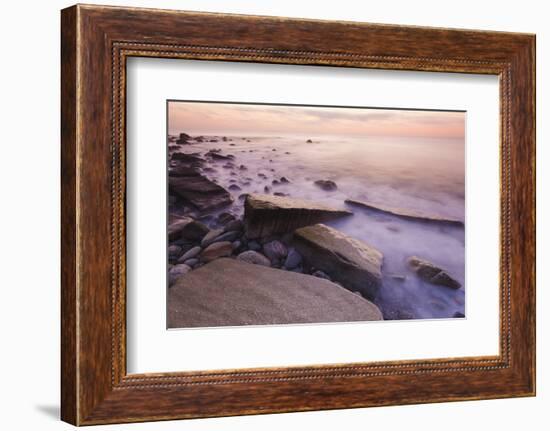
{"points": [[458, 315], [429, 272], [176, 272], [230, 292], [217, 156], [242, 196], [254, 257], [183, 171], [194, 231], [200, 191], [211, 236], [262, 175], [183, 139], [216, 250], [398, 277], [189, 254], [280, 194], [188, 158], [267, 189], [174, 251], [326, 185], [309, 141], [284, 180], [228, 236], [266, 215], [236, 245], [293, 259], [405, 214], [275, 182], [228, 166], [347, 260], [243, 168], [234, 187]]}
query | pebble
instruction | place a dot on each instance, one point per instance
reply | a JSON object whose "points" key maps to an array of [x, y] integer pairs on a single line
{"points": [[254, 245], [275, 250], [254, 257], [190, 254], [225, 217], [234, 187], [326, 185], [233, 225], [194, 231], [210, 237], [216, 250], [191, 262], [293, 259], [320, 274], [236, 245], [176, 272]]}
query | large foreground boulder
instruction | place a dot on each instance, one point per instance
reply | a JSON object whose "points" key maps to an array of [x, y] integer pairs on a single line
{"points": [[229, 292], [347, 260], [199, 191], [265, 215]]}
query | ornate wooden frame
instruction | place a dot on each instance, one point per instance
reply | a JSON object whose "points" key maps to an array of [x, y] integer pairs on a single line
{"points": [[96, 41]]}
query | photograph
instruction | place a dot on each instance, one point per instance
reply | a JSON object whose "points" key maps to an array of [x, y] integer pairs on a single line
{"points": [[293, 214]]}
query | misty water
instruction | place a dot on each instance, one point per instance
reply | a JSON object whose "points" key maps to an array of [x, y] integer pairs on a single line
{"points": [[416, 174]]}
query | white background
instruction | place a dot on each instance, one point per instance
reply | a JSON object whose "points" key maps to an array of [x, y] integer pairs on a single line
{"points": [[29, 228], [153, 349]]}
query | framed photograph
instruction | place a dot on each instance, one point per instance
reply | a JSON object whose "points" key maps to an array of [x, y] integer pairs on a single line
{"points": [[264, 215]]}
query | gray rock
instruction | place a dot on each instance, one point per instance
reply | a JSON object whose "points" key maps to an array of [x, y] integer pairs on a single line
{"points": [[191, 262], [275, 250], [293, 259], [194, 252], [176, 227], [233, 225], [429, 272], [266, 215], [346, 260], [254, 257], [176, 272], [210, 237], [229, 292], [216, 250], [174, 251], [326, 185], [254, 245]]}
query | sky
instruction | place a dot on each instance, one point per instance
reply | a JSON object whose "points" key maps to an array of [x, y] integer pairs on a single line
{"points": [[198, 118]]}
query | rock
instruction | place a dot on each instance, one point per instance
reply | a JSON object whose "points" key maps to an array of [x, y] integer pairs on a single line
{"points": [[280, 194], [253, 245], [275, 182], [347, 260], [263, 176], [225, 218], [176, 272], [188, 158], [215, 155], [309, 141], [405, 214], [200, 191], [211, 236], [267, 189], [275, 251], [234, 187], [189, 254], [459, 315], [183, 171], [398, 277], [194, 231], [293, 259], [230, 292], [227, 236], [233, 225], [229, 165], [174, 251], [267, 215], [183, 139], [254, 257], [243, 168], [429, 272], [284, 180], [326, 185], [191, 262], [216, 250], [176, 227], [236, 245]]}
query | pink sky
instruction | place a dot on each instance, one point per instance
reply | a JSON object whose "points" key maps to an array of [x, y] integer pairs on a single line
{"points": [[257, 120]]}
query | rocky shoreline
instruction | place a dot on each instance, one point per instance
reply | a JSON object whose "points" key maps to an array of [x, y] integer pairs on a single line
{"points": [[271, 230]]}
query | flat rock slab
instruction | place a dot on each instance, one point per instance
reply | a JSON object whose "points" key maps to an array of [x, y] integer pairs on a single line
{"points": [[347, 260], [229, 292], [265, 215], [200, 191], [406, 214]]}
